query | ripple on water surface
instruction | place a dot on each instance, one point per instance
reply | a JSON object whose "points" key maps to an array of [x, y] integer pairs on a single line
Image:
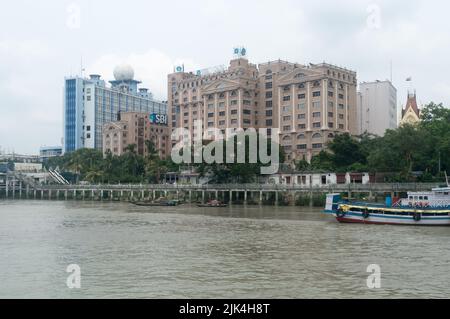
{"points": [[234, 252]]}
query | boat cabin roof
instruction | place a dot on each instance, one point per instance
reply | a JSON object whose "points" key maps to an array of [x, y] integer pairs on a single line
{"points": [[441, 190]]}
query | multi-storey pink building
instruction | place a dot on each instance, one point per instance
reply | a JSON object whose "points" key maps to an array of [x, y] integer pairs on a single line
{"points": [[308, 104]]}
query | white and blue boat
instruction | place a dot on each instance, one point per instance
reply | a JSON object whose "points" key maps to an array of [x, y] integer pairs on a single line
{"points": [[418, 208]]}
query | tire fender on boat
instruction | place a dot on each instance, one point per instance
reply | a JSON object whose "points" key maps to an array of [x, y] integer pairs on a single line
{"points": [[365, 214], [340, 212], [417, 216]]}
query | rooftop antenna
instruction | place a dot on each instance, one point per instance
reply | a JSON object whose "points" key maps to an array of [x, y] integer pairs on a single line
{"points": [[391, 71], [81, 66], [410, 86]]}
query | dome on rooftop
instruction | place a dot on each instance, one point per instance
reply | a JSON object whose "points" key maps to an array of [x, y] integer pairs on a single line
{"points": [[123, 72]]}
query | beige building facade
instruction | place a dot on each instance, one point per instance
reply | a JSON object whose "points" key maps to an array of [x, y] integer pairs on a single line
{"points": [[308, 104], [136, 128]]}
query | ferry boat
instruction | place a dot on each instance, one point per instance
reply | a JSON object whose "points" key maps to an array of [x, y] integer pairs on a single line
{"points": [[418, 208]]}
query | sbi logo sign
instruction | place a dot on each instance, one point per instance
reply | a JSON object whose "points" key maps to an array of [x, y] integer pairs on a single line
{"points": [[158, 118]]}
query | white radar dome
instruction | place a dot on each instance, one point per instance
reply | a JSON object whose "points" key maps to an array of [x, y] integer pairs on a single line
{"points": [[123, 72]]}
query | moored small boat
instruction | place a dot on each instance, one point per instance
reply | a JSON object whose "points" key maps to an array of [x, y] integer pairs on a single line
{"points": [[419, 208], [213, 203], [157, 203]]}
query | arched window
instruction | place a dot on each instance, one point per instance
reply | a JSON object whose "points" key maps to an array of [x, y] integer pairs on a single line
{"points": [[287, 138], [316, 135], [330, 135], [301, 136]]}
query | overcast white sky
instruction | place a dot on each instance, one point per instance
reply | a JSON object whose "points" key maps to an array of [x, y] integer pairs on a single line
{"points": [[43, 41]]}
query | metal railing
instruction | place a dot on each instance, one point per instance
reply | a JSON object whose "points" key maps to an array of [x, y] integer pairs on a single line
{"points": [[380, 187]]}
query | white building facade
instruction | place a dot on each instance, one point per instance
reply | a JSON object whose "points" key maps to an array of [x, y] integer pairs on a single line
{"points": [[376, 107], [89, 104]]}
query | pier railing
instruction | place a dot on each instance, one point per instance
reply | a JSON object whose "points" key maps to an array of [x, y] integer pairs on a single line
{"points": [[376, 187], [20, 187]]}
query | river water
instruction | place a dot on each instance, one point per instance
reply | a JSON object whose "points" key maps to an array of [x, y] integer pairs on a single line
{"points": [[125, 251]]}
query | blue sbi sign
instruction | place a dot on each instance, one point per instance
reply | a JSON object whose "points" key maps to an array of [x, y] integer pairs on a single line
{"points": [[156, 118]]}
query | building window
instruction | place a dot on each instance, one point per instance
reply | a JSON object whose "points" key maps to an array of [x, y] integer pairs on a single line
{"points": [[330, 125], [317, 93], [269, 113], [341, 96], [268, 94], [341, 116], [302, 126], [222, 123], [316, 124], [301, 147], [330, 114], [286, 118], [233, 102], [316, 114], [268, 85], [210, 114], [317, 145], [286, 98], [301, 136], [341, 106], [301, 116], [268, 122], [233, 112], [247, 112], [301, 106], [247, 121], [330, 94], [222, 113], [286, 128], [341, 126], [316, 135], [286, 109]]}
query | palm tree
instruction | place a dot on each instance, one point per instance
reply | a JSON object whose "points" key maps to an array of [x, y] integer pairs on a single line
{"points": [[94, 176]]}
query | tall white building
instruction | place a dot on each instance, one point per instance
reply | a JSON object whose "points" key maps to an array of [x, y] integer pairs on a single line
{"points": [[376, 107], [89, 103]]}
